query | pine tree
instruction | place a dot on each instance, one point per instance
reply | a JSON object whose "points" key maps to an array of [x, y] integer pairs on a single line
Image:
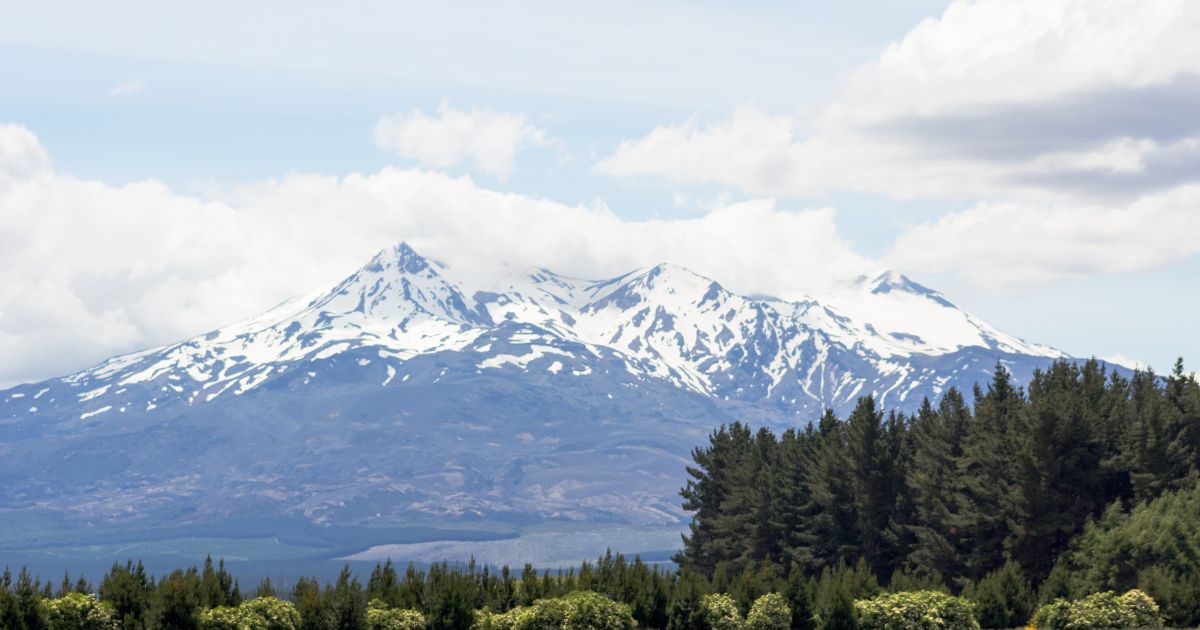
{"points": [[799, 594], [1003, 598], [314, 614], [987, 471], [832, 525], [345, 601], [384, 585], [1055, 457], [130, 592], [686, 612], [177, 602], [938, 439], [449, 599]]}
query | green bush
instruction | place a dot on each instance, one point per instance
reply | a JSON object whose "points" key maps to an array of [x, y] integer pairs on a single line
{"points": [[380, 617], [76, 611], [769, 612], [583, 610], [260, 613], [919, 610], [720, 612], [1106, 611], [220, 618]]}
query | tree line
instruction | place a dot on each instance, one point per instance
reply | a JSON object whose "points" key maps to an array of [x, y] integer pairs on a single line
{"points": [[954, 492]]}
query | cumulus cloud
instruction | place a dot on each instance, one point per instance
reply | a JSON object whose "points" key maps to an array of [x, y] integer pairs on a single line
{"points": [[488, 139], [1066, 128], [752, 150], [88, 270], [1026, 98], [21, 155], [1012, 243]]}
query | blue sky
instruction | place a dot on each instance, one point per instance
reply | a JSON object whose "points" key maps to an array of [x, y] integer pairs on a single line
{"points": [[161, 159]]}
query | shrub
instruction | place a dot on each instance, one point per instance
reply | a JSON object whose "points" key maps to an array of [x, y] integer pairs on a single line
{"points": [[720, 612], [220, 618], [919, 610], [769, 612], [260, 613], [583, 610], [380, 617], [269, 613], [76, 611], [1106, 610], [519, 617]]}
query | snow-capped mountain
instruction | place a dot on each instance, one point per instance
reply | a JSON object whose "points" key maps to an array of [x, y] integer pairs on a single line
{"points": [[398, 395]]}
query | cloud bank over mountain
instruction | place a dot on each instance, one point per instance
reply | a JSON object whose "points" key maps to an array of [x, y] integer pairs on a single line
{"points": [[88, 269]]}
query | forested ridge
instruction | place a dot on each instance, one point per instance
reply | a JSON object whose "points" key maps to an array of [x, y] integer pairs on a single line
{"points": [[952, 490], [1080, 482]]}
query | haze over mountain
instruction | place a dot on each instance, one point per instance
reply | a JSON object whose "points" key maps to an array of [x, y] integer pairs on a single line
{"points": [[399, 397]]}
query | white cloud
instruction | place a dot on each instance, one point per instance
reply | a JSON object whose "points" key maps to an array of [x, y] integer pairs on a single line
{"points": [[1013, 243], [21, 156], [487, 138], [126, 88], [88, 270], [1070, 99], [1124, 361], [1065, 126], [751, 150]]}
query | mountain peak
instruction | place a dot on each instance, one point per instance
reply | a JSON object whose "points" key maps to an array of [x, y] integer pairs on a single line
{"points": [[401, 257], [890, 281]]}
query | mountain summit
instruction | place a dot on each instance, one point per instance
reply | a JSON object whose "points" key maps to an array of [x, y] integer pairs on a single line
{"points": [[397, 397]]}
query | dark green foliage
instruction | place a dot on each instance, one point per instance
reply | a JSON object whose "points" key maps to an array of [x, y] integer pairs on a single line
{"points": [[1152, 547], [217, 586], [384, 585], [1003, 598], [953, 492], [685, 612], [799, 593], [838, 588], [345, 603], [449, 601], [131, 593], [1177, 594], [177, 605], [314, 615], [906, 579], [839, 613], [20, 601]]}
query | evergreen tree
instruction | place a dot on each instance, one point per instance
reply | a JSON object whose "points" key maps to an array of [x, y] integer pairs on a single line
{"points": [[938, 439], [314, 615], [1003, 598], [384, 585], [1055, 457], [686, 611], [799, 595], [987, 472], [449, 599], [130, 592], [27, 597], [177, 605], [345, 602], [833, 522]]}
